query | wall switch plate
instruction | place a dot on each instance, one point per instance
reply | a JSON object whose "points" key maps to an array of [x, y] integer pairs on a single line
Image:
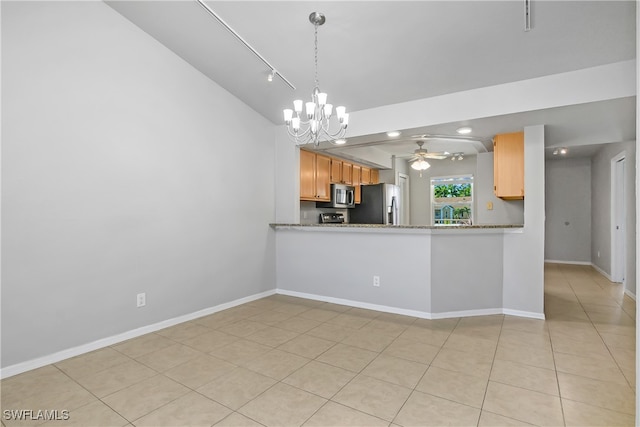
{"points": [[376, 281], [141, 300]]}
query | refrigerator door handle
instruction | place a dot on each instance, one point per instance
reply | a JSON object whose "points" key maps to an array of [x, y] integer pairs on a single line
{"points": [[394, 211]]}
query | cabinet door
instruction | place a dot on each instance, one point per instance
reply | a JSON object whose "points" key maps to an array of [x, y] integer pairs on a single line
{"points": [[508, 165], [323, 178], [307, 175], [355, 179], [375, 176], [366, 176], [336, 171], [347, 170]]}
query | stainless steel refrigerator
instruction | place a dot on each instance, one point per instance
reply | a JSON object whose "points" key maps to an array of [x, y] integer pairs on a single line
{"points": [[380, 204]]}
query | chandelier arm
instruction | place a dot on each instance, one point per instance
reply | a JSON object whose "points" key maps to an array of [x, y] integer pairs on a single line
{"points": [[338, 133]]}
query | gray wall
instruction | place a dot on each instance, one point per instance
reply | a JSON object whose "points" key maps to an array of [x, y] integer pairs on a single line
{"points": [[341, 263], [120, 175], [420, 186], [455, 282], [568, 210], [481, 167], [601, 209], [504, 211]]}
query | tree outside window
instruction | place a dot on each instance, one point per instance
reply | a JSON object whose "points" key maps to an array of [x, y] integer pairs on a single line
{"points": [[452, 200]]}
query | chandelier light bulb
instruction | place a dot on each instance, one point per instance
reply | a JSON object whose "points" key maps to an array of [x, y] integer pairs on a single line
{"points": [[315, 125], [288, 115]]}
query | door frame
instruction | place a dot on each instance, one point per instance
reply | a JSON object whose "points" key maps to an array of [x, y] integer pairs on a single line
{"points": [[618, 207], [405, 217]]}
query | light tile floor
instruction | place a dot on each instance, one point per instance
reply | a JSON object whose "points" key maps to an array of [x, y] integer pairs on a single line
{"points": [[288, 361]]}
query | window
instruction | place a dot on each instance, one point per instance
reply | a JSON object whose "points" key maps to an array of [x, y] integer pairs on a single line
{"points": [[452, 200]]}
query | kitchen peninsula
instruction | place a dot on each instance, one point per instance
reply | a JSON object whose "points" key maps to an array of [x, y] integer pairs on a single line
{"points": [[423, 271]]}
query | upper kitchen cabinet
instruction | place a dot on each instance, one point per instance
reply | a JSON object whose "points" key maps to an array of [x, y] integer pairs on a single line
{"points": [[315, 172], [375, 176], [355, 178], [370, 176], [341, 172], [508, 166]]}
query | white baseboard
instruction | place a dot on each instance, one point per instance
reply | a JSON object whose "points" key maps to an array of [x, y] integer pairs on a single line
{"points": [[630, 294], [39, 362], [601, 271], [519, 313], [413, 313], [357, 304], [466, 313], [557, 261]]}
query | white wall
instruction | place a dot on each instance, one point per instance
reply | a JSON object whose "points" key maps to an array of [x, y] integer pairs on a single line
{"points": [[120, 176], [601, 209], [568, 210]]}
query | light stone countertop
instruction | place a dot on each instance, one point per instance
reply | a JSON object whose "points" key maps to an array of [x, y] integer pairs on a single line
{"points": [[404, 229], [428, 227]]}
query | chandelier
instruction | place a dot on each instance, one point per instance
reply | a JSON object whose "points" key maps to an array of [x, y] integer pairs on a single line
{"points": [[314, 124]]}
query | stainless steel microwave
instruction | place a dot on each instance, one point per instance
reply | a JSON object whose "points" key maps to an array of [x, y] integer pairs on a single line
{"points": [[342, 196]]}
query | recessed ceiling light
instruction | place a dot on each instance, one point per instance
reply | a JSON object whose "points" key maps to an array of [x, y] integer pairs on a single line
{"points": [[340, 141], [563, 151], [464, 130], [393, 133]]}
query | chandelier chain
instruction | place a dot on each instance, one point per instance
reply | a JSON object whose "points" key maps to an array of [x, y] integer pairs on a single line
{"points": [[316, 54]]}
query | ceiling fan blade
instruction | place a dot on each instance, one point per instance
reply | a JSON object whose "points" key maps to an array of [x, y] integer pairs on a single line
{"points": [[436, 156]]}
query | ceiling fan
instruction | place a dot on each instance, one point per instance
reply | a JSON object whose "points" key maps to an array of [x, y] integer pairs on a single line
{"points": [[423, 154], [419, 159]]}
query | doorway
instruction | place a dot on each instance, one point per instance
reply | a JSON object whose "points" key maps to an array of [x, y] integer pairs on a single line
{"points": [[618, 219], [403, 182]]}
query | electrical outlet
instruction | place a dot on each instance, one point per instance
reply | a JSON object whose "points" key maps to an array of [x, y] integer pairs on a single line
{"points": [[376, 281], [141, 300]]}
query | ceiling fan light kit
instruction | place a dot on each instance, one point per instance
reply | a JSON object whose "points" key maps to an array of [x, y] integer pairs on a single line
{"points": [[314, 124]]}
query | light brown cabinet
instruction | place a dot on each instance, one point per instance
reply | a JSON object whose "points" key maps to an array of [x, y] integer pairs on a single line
{"points": [[318, 172], [347, 171], [355, 177], [375, 176], [341, 172], [370, 176], [508, 166], [315, 172], [365, 177]]}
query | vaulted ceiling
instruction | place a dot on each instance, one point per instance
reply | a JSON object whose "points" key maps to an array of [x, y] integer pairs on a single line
{"points": [[374, 53]]}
